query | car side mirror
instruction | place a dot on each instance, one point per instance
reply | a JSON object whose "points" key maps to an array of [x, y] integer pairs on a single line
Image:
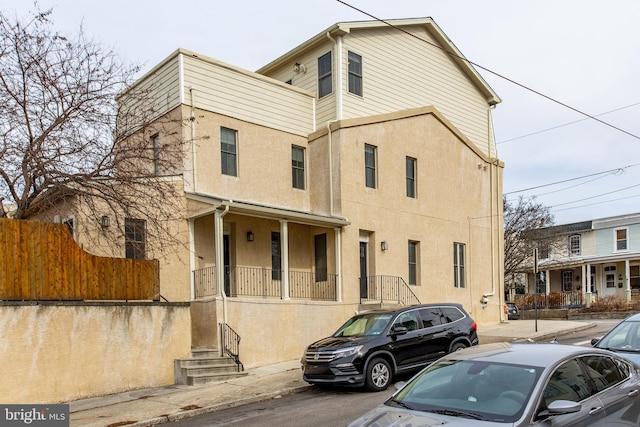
{"points": [[594, 341], [399, 330], [560, 407]]}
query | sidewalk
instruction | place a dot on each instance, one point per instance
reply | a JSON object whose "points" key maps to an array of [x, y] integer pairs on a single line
{"points": [[152, 406]]}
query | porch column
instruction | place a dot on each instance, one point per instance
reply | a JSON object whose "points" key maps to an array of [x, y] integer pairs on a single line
{"points": [[192, 258], [284, 254], [338, 241], [627, 280], [586, 274], [546, 282], [218, 226]]}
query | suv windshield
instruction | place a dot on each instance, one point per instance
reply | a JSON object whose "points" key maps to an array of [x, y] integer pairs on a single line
{"points": [[365, 324]]}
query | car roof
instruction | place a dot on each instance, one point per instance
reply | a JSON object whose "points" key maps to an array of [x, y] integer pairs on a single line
{"points": [[633, 318], [411, 307], [530, 354]]}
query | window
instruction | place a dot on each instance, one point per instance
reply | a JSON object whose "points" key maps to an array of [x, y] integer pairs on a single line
{"points": [[621, 239], [430, 317], [135, 238], [458, 265], [568, 382], [413, 263], [370, 165], [411, 177], [603, 371], [155, 139], [574, 245], [610, 276], [297, 167], [543, 249], [325, 79], [320, 253], [634, 276], [355, 73], [228, 151], [276, 259], [567, 280]]}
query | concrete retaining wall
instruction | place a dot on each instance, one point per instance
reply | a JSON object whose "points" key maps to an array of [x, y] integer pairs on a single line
{"points": [[59, 352]]}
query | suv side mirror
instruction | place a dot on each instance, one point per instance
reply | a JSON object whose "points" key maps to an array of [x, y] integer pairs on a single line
{"points": [[399, 330]]}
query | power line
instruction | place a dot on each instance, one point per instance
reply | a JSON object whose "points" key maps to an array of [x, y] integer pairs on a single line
{"points": [[491, 71]]}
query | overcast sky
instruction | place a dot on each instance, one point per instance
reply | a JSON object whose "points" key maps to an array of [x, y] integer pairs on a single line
{"points": [[584, 54]]}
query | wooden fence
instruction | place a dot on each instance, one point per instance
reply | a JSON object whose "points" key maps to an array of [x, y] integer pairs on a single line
{"points": [[40, 261]]}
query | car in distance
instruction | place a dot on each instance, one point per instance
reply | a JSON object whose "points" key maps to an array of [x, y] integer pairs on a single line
{"points": [[374, 346], [516, 384], [513, 312], [624, 338]]}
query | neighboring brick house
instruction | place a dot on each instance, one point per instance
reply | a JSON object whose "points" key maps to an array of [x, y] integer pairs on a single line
{"points": [[357, 168], [590, 259]]}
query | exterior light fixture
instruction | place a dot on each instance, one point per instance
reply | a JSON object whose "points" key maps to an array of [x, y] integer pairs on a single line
{"points": [[384, 245], [250, 236], [299, 68], [105, 221]]}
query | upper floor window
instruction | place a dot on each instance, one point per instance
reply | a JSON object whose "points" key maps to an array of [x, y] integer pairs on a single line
{"points": [[297, 167], [370, 165], [413, 263], [325, 78], [574, 245], [543, 249], [411, 177], [320, 255], [355, 73], [458, 265], [229, 151], [135, 236], [621, 239], [155, 140]]}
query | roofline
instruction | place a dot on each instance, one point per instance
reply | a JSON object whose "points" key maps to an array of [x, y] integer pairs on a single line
{"points": [[342, 28]]}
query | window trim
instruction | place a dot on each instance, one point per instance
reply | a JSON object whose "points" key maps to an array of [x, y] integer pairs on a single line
{"points": [[136, 247], [413, 263], [356, 74], [297, 170], [370, 169], [411, 181], [326, 76], [459, 250], [226, 154], [577, 252], [616, 241]]}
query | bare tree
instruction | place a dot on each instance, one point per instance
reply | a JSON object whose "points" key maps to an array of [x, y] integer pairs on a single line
{"points": [[63, 137], [519, 221]]}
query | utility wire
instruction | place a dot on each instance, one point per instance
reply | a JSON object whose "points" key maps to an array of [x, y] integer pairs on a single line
{"points": [[492, 72]]}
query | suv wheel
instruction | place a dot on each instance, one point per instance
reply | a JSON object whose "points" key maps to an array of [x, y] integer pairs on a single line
{"points": [[457, 346], [378, 375]]}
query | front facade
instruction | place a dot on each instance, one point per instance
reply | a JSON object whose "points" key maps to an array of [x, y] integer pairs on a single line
{"points": [[358, 168], [590, 260]]}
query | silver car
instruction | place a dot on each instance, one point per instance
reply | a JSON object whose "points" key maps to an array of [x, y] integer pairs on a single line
{"points": [[519, 384], [624, 338]]}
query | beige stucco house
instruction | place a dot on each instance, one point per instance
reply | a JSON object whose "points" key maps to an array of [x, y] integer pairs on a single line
{"points": [[358, 168]]}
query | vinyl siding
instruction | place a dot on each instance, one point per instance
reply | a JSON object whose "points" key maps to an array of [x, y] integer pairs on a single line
{"points": [[401, 72], [247, 96]]}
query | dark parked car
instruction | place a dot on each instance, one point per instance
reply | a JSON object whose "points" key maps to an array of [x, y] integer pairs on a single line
{"points": [[514, 385], [372, 347], [624, 338], [513, 312]]}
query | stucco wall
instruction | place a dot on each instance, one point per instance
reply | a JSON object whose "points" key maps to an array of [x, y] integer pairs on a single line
{"points": [[55, 352]]}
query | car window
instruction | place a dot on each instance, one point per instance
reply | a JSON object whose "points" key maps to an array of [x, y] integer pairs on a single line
{"points": [[568, 382], [603, 372], [451, 314], [430, 317], [625, 336], [408, 319]]}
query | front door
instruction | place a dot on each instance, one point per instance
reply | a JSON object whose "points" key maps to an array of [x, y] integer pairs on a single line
{"points": [[227, 265], [363, 270]]}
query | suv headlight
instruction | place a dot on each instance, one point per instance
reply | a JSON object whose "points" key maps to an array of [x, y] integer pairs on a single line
{"points": [[345, 352]]}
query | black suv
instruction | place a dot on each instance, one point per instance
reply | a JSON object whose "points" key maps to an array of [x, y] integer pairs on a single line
{"points": [[373, 346]]}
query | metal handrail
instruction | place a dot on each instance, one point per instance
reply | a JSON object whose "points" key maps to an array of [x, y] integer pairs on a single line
{"points": [[389, 289], [231, 344]]}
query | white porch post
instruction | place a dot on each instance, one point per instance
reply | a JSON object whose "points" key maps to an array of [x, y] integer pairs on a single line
{"points": [[284, 254], [586, 273], [627, 280], [192, 258], [338, 242], [546, 283]]}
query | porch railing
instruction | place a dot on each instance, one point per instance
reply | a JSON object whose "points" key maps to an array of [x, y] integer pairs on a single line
{"points": [[389, 289], [231, 344], [266, 283], [552, 300]]}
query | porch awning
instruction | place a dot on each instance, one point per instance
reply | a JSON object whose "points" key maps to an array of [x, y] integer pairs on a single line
{"points": [[262, 211], [583, 260]]}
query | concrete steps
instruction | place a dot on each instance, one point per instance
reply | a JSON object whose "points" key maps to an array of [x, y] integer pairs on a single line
{"points": [[205, 366]]}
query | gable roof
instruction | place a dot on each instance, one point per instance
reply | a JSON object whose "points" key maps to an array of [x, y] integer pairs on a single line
{"points": [[343, 28]]}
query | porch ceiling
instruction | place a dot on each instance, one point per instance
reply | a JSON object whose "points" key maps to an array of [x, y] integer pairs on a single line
{"points": [[262, 211]]}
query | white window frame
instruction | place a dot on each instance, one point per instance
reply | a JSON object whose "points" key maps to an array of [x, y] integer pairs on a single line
{"points": [[370, 170], [573, 252], [353, 74], [459, 260], [616, 241]]}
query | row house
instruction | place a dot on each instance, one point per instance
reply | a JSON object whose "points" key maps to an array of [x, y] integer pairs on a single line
{"points": [[358, 168]]}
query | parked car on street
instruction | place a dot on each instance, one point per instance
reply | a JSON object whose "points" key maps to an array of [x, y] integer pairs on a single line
{"points": [[624, 338], [372, 347], [519, 384], [513, 312]]}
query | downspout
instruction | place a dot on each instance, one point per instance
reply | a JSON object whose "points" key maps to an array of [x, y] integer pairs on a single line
{"points": [[494, 217], [219, 233]]}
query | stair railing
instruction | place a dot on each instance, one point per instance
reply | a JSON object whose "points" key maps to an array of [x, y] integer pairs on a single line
{"points": [[231, 344]]}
